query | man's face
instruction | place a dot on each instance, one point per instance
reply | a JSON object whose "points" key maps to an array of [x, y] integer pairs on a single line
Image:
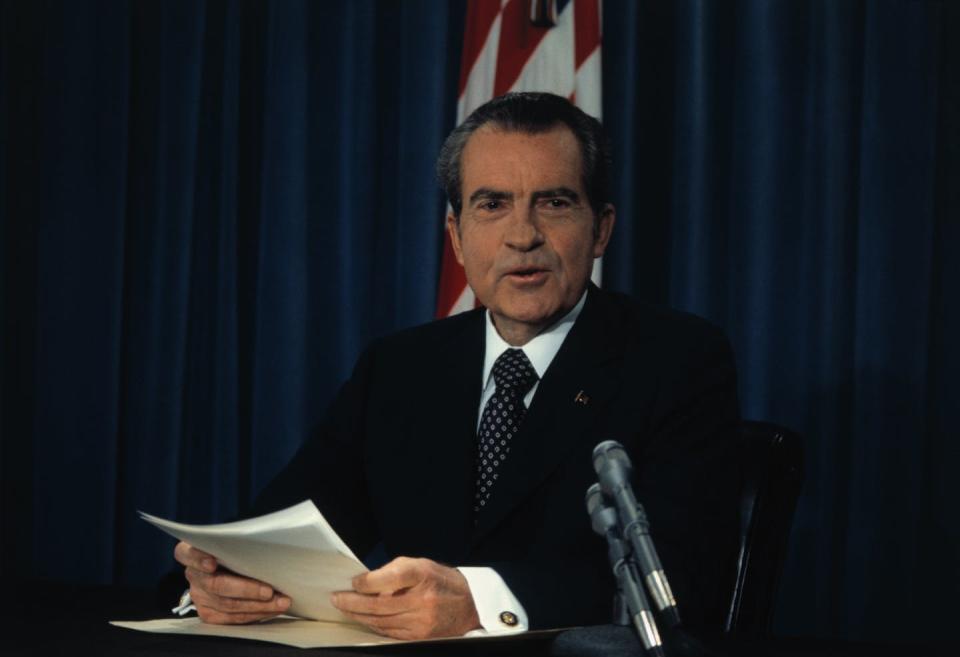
{"points": [[527, 236]]}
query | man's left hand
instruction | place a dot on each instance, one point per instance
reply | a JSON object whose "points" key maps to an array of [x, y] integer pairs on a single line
{"points": [[411, 599]]}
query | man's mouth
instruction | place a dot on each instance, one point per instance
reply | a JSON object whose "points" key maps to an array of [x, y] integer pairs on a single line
{"points": [[527, 275]]}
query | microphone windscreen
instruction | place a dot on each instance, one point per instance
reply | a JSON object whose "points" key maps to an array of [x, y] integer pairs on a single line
{"points": [[610, 452], [594, 498]]}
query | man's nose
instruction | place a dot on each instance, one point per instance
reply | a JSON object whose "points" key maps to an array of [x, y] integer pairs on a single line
{"points": [[523, 231]]}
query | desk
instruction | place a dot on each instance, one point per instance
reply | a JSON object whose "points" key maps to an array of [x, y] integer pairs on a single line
{"points": [[69, 620], [63, 619]]}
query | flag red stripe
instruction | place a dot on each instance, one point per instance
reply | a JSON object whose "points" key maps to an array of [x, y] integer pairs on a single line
{"points": [[586, 26], [518, 39], [480, 17], [453, 280]]}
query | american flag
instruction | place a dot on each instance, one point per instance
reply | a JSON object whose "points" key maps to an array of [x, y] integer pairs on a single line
{"points": [[523, 45]]}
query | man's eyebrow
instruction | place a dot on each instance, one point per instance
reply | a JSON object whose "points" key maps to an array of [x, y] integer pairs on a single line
{"points": [[561, 192], [487, 194]]}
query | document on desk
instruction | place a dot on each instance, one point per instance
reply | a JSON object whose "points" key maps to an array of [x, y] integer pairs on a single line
{"points": [[301, 633], [285, 630], [295, 551]]}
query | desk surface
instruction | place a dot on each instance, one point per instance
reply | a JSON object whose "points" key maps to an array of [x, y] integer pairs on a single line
{"points": [[61, 619]]}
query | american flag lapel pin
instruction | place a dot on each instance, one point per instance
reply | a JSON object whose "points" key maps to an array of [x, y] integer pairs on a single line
{"points": [[581, 399]]}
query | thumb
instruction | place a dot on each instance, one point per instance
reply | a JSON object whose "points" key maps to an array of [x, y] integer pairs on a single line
{"points": [[401, 573]]}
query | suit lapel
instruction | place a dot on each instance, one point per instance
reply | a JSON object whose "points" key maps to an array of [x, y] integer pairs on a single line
{"points": [[446, 437], [583, 376]]}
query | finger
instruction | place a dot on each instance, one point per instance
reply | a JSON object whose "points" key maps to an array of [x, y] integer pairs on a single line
{"points": [[209, 615], [375, 605], [229, 585], [403, 633], [401, 573], [401, 626], [191, 557], [278, 604]]}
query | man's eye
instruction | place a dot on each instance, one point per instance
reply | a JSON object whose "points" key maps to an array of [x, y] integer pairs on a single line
{"points": [[557, 203], [491, 205]]}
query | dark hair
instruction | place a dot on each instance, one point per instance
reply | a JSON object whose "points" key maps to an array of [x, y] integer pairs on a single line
{"points": [[531, 113]]}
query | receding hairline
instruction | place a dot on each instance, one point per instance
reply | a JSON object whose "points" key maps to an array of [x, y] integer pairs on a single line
{"points": [[497, 127], [522, 129]]}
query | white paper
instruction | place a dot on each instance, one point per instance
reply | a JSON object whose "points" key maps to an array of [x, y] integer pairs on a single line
{"points": [[285, 630], [304, 633], [295, 551]]}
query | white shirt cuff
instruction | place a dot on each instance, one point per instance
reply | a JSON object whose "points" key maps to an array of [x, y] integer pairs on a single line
{"points": [[499, 610], [185, 606]]}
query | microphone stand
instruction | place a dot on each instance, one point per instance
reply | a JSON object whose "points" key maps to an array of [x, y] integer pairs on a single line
{"points": [[630, 602], [634, 554]]}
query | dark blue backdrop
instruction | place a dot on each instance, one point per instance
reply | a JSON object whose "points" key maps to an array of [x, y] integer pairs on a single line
{"points": [[207, 208]]}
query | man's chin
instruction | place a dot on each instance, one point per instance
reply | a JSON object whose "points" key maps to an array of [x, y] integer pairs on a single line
{"points": [[536, 317]]}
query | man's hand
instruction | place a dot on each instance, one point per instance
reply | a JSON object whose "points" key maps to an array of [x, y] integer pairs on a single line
{"points": [[222, 597], [411, 599]]}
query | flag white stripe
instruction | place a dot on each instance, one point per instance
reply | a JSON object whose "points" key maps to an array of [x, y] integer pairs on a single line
{"points": [[541, 71], [479, 88], [589, 85]]}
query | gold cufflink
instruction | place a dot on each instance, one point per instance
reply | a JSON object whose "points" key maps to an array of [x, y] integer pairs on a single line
{"points": [[508, 618], [581, 398]]}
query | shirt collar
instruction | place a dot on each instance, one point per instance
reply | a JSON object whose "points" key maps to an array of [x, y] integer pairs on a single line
{"points": [[540, 350]]}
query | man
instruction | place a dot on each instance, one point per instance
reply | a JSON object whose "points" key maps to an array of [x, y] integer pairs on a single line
{"points": [[468, 441]]}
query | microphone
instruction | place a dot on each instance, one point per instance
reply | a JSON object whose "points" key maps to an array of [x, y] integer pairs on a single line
{"points": [[603, 519], [613, 467]]}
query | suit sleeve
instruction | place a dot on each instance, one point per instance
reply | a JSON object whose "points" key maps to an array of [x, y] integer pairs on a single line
{"points": [[328, 467]]}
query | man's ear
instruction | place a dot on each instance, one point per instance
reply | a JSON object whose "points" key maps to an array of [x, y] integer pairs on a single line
{"points": [[453, 229], [603, 229]]}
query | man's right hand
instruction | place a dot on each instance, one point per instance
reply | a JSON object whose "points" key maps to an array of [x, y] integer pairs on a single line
{"points": [[225, 598]]}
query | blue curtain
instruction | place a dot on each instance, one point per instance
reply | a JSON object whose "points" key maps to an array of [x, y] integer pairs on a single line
{"points": [[208, 208], [790, 171]]}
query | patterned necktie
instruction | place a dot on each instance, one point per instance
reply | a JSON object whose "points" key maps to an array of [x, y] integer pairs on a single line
{"points": [[514, 376]]}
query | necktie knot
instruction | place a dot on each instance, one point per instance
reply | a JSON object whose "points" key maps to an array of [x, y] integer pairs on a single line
{"points": [[512, 371]]}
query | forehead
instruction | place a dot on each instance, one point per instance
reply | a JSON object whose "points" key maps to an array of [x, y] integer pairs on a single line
{"points": [[506, 159]]}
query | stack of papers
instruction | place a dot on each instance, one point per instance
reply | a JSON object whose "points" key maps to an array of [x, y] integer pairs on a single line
{"points": [[295, 551]]}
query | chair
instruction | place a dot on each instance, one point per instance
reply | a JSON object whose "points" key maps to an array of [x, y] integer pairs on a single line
{"points": [[772, 459]]}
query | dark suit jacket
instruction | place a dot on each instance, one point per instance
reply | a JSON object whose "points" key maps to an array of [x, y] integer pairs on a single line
{"points": [[394, 461]]}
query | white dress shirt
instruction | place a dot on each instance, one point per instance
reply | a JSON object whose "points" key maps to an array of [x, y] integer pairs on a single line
{"points": [[499, 610]]}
